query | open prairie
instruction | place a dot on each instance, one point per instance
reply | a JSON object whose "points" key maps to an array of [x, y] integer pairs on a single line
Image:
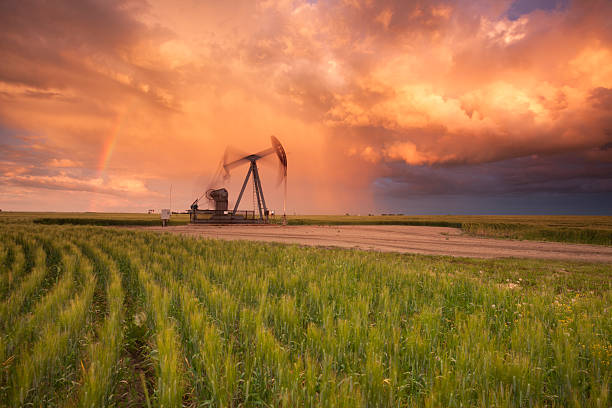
{"points": [[574, 229]]}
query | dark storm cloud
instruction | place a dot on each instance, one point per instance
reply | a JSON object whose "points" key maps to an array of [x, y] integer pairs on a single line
{"points": [[569, 174], [521, 7]]}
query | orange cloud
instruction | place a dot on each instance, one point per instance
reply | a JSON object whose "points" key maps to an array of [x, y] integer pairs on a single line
{"points": [[357, 91], [63, 163]]}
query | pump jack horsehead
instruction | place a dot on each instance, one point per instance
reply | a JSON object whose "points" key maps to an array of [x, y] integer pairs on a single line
{"points": [[221, 215]]}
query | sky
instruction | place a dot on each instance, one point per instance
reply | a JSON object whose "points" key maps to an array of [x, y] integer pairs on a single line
{"points": [[391, 106]]}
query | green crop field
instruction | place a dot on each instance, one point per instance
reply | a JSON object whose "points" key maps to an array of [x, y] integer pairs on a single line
{"points": [[94, 316]]}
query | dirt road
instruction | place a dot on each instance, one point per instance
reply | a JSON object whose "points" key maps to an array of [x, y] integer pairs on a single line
{"points": [[396, 238]]}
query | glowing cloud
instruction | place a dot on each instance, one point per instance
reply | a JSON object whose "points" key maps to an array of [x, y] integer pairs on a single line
{"points": [[371, 98]]}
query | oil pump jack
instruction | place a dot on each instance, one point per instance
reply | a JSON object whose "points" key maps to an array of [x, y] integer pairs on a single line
{"points": [[221, 214]]}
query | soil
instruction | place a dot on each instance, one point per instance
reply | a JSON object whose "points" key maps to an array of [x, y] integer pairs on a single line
{"points": [[398, 238]]}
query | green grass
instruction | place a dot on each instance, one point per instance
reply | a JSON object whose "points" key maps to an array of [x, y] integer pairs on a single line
{"points": [[111, 317]]}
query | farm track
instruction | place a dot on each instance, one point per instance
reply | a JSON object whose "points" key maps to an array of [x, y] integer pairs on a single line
{"points": [[115, 317], [404, 239]]}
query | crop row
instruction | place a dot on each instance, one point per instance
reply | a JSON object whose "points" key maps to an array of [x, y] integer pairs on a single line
{"points": [[94, 317]]}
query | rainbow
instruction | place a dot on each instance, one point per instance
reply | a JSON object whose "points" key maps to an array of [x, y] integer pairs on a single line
{"points": [[109, 146]]}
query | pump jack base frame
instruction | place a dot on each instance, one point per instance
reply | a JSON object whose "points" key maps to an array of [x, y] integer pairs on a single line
{"points": [[225, 217]]}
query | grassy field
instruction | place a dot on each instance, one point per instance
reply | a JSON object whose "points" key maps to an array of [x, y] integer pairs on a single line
{"points": [[94, 316], [575, 229]]}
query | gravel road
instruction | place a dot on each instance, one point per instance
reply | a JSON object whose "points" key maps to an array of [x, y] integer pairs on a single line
{"points": [[396, 238]]}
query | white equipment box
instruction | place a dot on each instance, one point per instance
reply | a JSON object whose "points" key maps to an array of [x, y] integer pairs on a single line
{"points": [[165, 216]]}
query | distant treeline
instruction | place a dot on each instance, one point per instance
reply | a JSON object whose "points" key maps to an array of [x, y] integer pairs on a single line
{"points": [[104, 222]]}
